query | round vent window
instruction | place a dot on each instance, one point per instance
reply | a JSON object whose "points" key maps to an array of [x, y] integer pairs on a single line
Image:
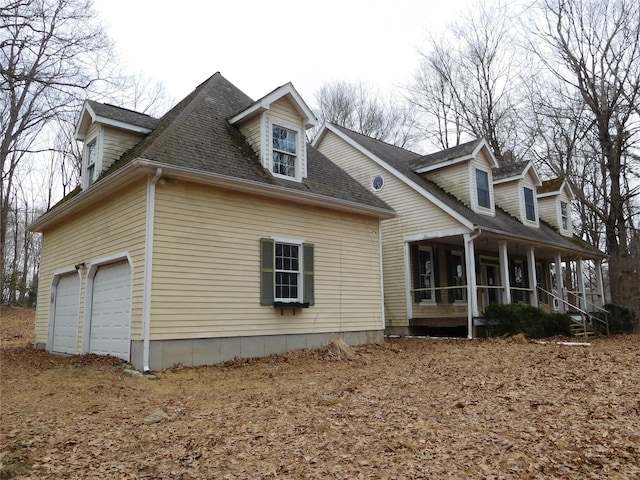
{"points": [[377, 183]]}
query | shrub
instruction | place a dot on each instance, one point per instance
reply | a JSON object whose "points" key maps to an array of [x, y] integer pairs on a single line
{"points": [[621, 319], [531, 321]]}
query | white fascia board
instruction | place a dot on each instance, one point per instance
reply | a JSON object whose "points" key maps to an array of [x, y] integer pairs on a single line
{"points": [[122, 125], [309, 119], [127, 174], [447, 163], [449, 232], [484, 144], [88, 116], [82, 125], [425, 193], [564, 186], [534, 173]]}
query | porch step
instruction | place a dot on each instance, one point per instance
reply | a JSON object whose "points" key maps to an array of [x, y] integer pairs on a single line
{"points": [[578, 330]]}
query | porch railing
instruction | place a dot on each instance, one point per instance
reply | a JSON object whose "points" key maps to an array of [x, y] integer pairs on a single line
{"points": [[584, 315]]}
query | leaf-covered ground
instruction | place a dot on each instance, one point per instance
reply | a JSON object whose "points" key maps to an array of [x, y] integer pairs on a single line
{"points": [[413, 408]]}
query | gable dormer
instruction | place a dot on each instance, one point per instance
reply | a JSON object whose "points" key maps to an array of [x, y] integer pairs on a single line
{"points": [[275, 128], [107, 132], [554, 200], [515, 186], [465, 171]]}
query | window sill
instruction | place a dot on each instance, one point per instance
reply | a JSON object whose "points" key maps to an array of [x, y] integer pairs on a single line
{"points": [[428, 303], [291, 305]]}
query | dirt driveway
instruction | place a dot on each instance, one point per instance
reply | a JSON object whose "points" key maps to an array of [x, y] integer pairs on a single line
{"points": [[413, 408]]}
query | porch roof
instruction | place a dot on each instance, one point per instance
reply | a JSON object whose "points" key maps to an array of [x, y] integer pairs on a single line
{"points": [[502, 224]]}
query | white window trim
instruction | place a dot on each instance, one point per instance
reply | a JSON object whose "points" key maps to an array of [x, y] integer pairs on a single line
{"points": [[299, 243], [300, 146], [97, 166], [569, 230], [523, 203], [433, 301], [474, 191]]}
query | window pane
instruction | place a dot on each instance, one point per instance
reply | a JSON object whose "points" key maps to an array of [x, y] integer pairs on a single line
{"points": [[530, 208], [287, 271], [284, 140], [482, 182]]}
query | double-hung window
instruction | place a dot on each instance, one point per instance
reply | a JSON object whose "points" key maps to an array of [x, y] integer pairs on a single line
{"points": [[564, 213], [284, 151], [286, 272], [482, 186], [92, 156], [529, 205]]}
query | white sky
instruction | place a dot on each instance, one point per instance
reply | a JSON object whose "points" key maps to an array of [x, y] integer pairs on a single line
{"points": [[259, 45]]}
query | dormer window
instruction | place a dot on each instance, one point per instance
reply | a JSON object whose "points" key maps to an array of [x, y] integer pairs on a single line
{"points": [[529, 205], [564, 214], [482, 186], [284, 151], [92, 157]]}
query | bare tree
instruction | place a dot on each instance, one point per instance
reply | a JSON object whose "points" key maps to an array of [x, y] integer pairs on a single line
{"points": [[359, 108], [51, 54], [467, 83], [593, 48]]}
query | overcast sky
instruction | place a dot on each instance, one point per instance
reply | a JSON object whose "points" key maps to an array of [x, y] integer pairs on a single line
{"points": [[259, 45]]}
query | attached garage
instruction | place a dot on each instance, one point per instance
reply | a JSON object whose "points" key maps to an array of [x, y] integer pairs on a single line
{"points": [[111, 311], [65, 314]]}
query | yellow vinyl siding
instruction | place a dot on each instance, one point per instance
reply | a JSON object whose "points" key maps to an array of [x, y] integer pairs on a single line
{"points": [[415, 215], [107, 228], [251, 130], [510, 197], [507, 197], [115, 143], [455, 180], [206, 271], [550, 211], [282, 109]]}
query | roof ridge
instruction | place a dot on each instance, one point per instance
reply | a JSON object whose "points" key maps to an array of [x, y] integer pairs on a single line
{"points": [[418, 155]]}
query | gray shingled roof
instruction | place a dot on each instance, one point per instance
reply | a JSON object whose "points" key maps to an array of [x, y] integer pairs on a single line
{"points": [[195, 134], [552, 185], [502, 222], [509, 170], [442, 156], [123, 115]]}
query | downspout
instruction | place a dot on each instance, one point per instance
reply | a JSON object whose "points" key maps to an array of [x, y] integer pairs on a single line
{"points": [[384, 319], [148, 268], [472, 297]]}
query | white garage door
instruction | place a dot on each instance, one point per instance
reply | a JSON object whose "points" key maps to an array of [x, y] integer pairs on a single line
{"points": [[65, 314], [111, 311]]}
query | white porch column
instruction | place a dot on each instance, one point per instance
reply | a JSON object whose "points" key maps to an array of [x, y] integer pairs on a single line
{"points": [[560, 283], [581, 287], [533, 281], [504, 271], [472, 290], [600, 282]]}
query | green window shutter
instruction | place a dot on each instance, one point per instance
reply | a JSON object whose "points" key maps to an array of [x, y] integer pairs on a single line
{"points": [[267, 279], [307, 273]]}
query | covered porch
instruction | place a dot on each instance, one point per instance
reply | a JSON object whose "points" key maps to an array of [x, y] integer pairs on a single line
{"points": [[453, 277]]}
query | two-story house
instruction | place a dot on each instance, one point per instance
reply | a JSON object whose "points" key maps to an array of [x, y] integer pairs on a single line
{"points": [[468, 232], [211, 233]]}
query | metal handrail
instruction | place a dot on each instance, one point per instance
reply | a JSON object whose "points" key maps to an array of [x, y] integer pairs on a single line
{"points": [[584, 314]]}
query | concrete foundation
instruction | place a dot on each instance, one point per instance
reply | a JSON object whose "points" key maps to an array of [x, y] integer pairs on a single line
{"points": [[209, 351]]}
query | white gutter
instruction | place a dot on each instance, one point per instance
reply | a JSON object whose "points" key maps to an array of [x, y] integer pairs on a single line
{"points": [[148, 267], [104, 187], [384, 319]]}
